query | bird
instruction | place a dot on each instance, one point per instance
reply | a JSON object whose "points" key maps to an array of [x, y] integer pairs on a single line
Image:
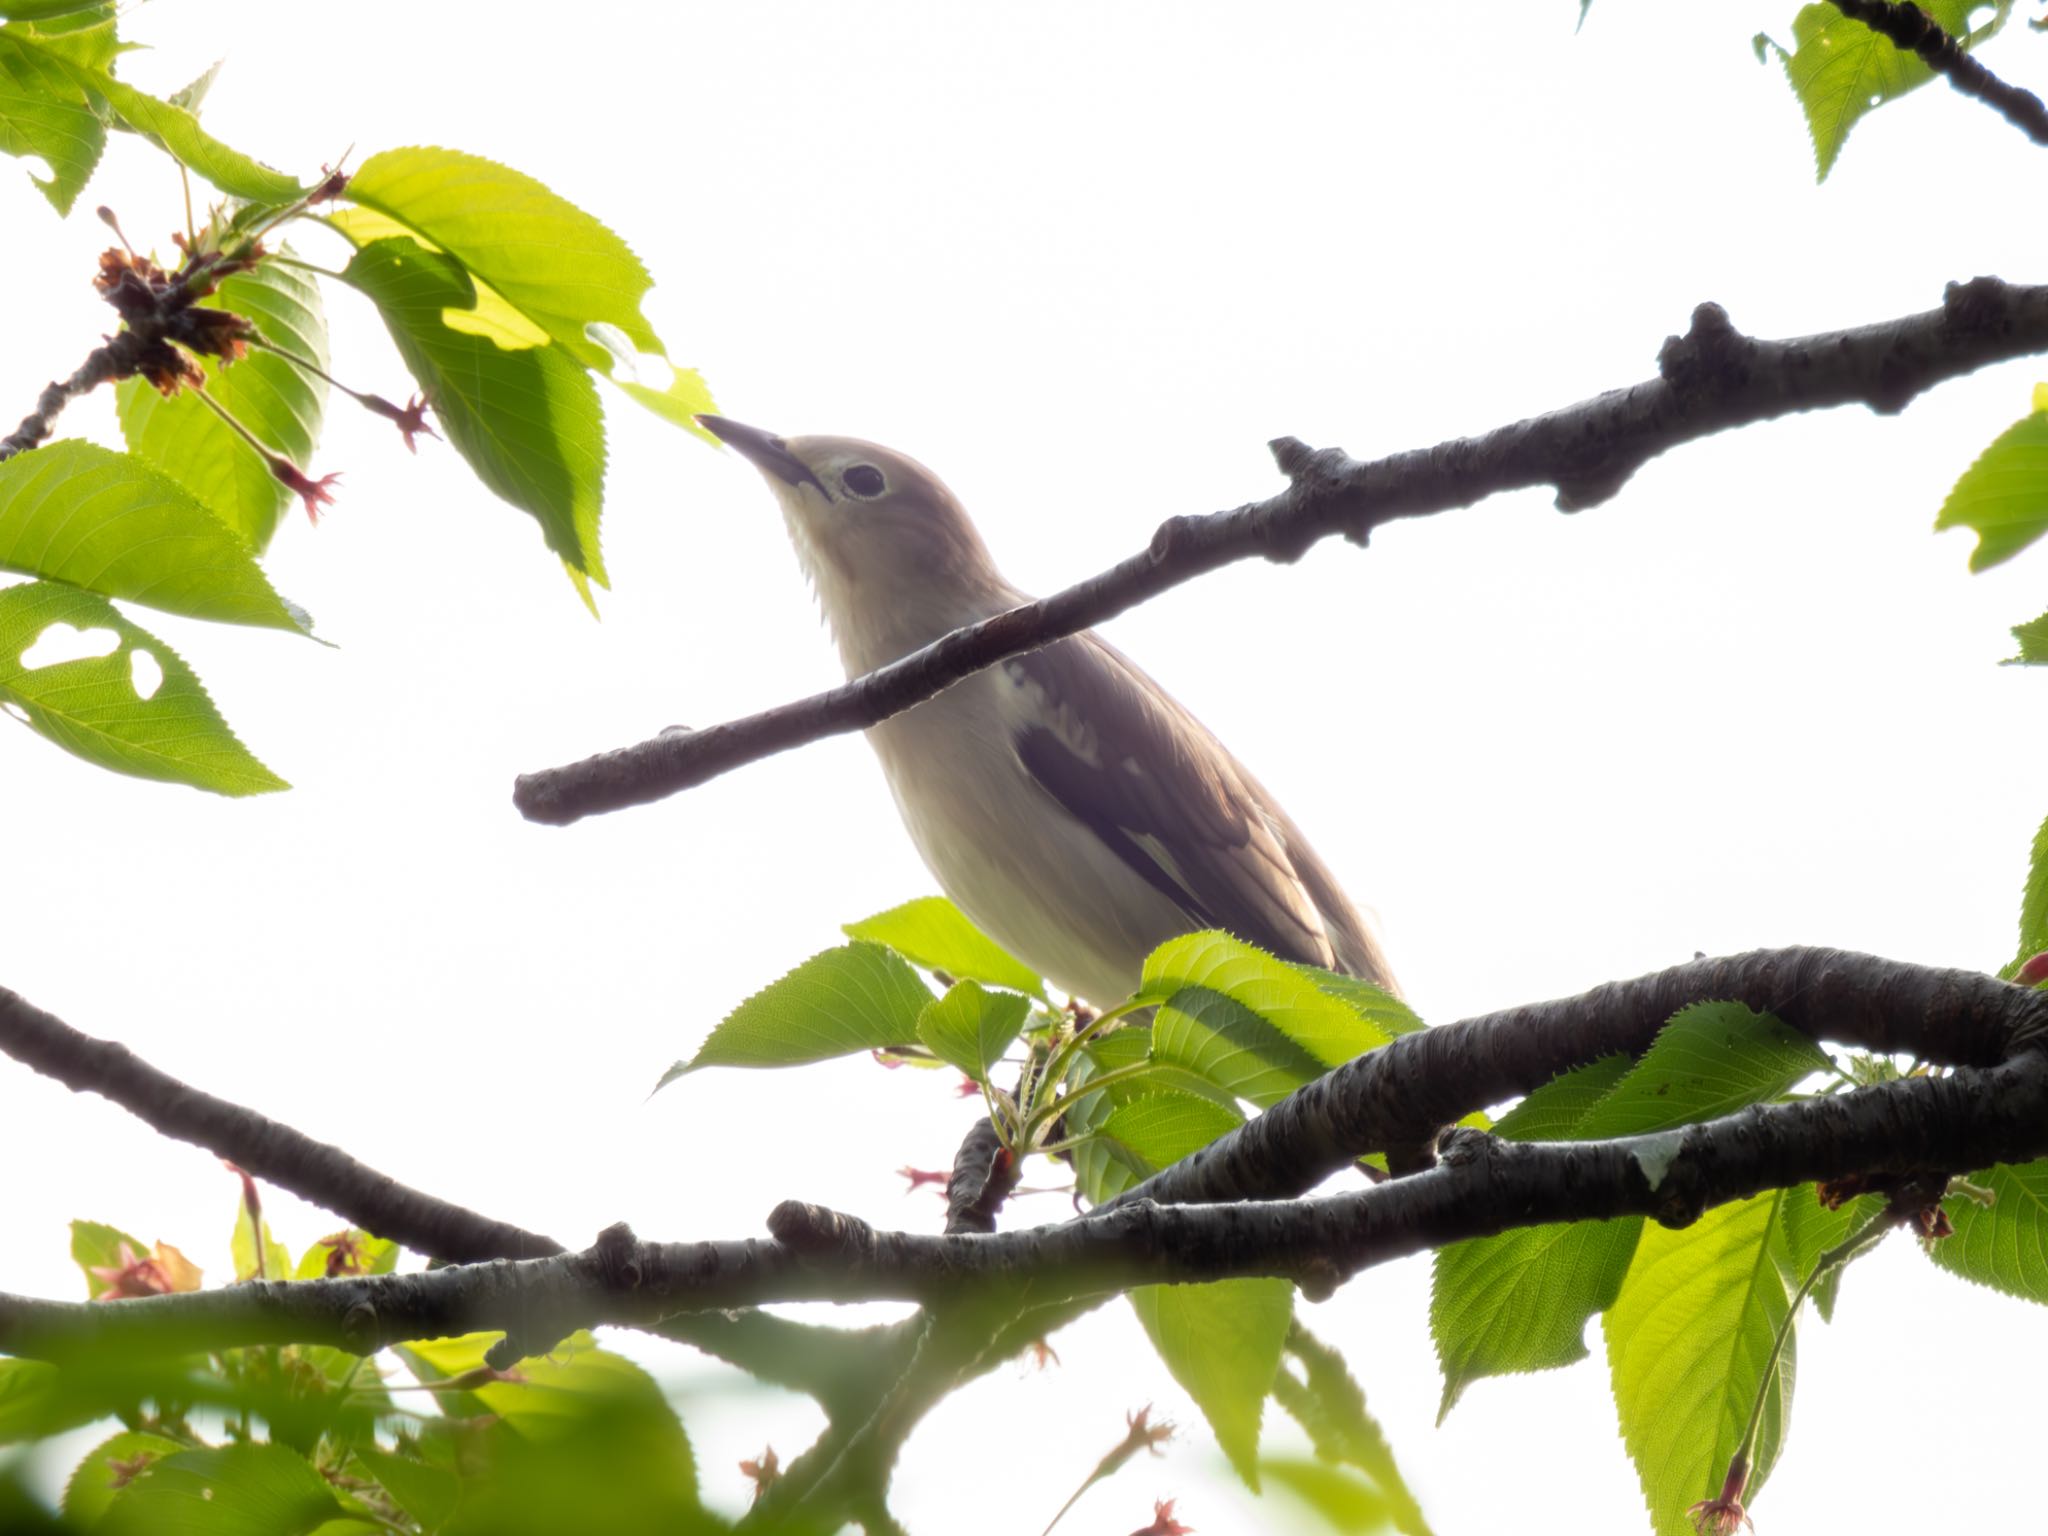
{"points": [[1065, 802]]}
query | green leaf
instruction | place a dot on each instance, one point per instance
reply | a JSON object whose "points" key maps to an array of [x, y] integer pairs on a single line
{"points": [[269, 1261], [1686, 1344], [373, 1255], [177, 132], [937, 935], [2033, 905], [426, 1492], [1345, 1503], [1840, 69], [970, 1027], [90, 707], [45, 111], [95, 1245], [1159, 1128], [1330, 1405], [35, 10], [2033, 640], [31, 1401], [858, 997], [526, 419], [91, 1488], [108, 522], [238, 1490], [1375, 1005], [1327, 1029], [1519, 1301], [2006, 1246], [560, 267], [1222, 1343], [273, 398], [2004, 495]]}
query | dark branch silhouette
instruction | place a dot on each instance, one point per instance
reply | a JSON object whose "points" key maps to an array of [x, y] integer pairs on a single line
{"points": [[1481, 1186], [1912, 30], [1711, 379]]}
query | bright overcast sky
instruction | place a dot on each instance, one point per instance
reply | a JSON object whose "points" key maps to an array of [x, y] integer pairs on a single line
{"points": [[1083, 260]]}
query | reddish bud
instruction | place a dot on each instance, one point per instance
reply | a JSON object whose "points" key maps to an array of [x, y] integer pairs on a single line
{"points": [[1163, 1522], [1724, 1516], [2034, 971], [314, 493], [763, 1470], [923, 1176]]}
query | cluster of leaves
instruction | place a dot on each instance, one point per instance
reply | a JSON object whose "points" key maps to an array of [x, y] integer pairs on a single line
{"points": [[1218, 1028], [301, 1439], [505, 301]]}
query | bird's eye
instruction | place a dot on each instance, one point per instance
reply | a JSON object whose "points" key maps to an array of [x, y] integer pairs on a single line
{"points": [[863, 480]]}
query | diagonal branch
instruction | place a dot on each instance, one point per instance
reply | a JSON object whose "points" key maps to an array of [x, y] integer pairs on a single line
{"points": [[1482, 1186], [1911, 30], [1711, 379]]}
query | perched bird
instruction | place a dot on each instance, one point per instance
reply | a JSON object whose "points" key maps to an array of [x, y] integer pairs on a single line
{"points": [[1062, 798]]}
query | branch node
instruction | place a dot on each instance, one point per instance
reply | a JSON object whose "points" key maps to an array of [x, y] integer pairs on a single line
{"points": [[1712, 356], [816, 1229], [359, 1332], [618, 1255]]}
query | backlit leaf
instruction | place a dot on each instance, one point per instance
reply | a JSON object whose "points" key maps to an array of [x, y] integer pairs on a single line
{"points": [[1222, 1343], [2006, 1245], [2004, 495], [970, 1027], [937, 935], [856, 998]]}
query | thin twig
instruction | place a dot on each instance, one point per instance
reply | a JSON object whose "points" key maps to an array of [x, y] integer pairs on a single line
{"points": [[1710, 380]]}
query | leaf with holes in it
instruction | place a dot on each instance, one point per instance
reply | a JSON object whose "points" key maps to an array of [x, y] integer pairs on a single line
{"points": [[560, 267], [278, 401], [45, 111], [1222, 1343], [970, 1027], [1686, 1344], [91, 706], [2004, 1246], [527, 419], [937, 935], [858, 997], [1840, 69], [73, 511], [2004, 495]]}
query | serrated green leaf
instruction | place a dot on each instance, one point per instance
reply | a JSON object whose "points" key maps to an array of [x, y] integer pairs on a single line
{"points": [[527, 419], [2004, 495], [1328, 1403], [1221, 1342], [238, 1490], [1840, 69], [1377, 1006], [37, 10], [1520, 1301], [45, 111], [2005, 1246], [1327, 1029], [178, 134], [562, 268], [970, 1027], [1810, 1229], [937, 935], [2033, 642], [276, 400], [91, 1488], [1159, 1128], [1686, 1344], [858, 997], [90, 706], [110, 523]]}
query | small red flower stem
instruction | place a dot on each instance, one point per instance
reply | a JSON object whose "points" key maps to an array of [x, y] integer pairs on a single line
{"points": [[241, 431], [309, 366]]}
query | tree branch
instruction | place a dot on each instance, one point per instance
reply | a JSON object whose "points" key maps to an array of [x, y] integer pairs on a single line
{"points": [[1912, 30], [276, 1153], [1711, 379], [1936, 1125]]}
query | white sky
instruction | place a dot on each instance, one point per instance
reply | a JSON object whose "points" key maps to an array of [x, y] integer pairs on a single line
{"points": [[1083, 260]]}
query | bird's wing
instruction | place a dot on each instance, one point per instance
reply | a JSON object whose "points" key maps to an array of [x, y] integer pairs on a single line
{"points": [[1149, 780]]}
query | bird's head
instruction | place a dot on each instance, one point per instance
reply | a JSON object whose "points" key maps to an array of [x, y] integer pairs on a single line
{"points": [[892, 555]]}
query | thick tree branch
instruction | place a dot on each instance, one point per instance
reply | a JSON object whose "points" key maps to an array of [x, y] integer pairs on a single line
{"points": [[1912, 30], [290, 1159], [1711, 379], [1399, 1094], [1934, 1124]]}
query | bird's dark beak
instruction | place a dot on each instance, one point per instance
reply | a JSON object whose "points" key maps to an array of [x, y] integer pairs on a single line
{"points": [[764, 450]]}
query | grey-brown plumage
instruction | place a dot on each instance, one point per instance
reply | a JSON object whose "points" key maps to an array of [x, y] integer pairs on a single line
{"points": [[1063, 800]]}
